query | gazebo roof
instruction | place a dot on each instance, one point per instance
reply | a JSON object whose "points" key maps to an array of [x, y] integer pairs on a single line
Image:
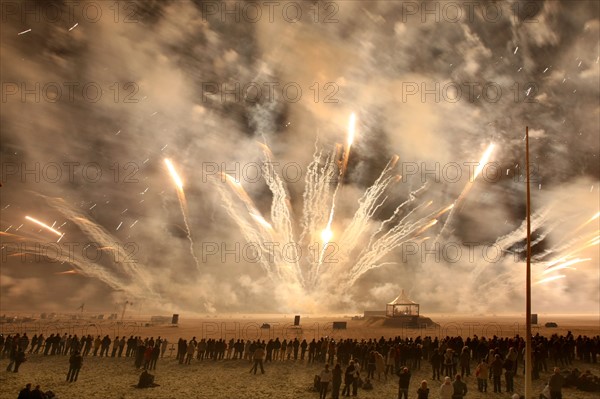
{"points": [[402, 299]]}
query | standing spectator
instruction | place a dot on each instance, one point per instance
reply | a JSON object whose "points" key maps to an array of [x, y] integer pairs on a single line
{"points": [[371, 365], [191, 349], [336, 381], [325, 379], [556, 383], [75, 363], [459, 388], [436, 364], [122, 343], [349, 374], [446, 390], [19, 359], [509, 375], [303, 347], [403, 383], [163, 348], [390, 361], [465, 361], [257, 356], [34, 341], [423, 391], [12, 355], [448, 362], [97, 343], [482, 375], [40, 342], [155, 355], [148, 357], [496, 368], [115, 347]]}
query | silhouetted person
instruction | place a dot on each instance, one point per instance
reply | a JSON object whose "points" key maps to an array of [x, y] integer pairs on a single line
{"points": [[75, 363], [258, 360], [403, 382], [459, 387], [37, 393], [19, 359], [556, 383], [336, 381], [350, 374], [325, 379], [146, 380], [423, 391], [25, 393]]}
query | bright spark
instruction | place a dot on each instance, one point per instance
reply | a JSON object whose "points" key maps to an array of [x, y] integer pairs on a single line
{"points": [[564, 265], [351, 130], [44, 225], [326, 235], [174, 174], [261, 220], [484, 160], [548, 279]]}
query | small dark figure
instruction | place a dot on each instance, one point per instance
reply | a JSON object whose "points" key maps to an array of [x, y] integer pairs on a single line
{"points": [[37, 393], [75, 363], [403, 383], [146, 380], [423, 391], [460, 388], [25, 392], [19, 359], [556, 383], [258, 360]]}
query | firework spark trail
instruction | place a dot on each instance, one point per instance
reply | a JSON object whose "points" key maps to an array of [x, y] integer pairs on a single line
{"points": [[89, 269], [281, 216], [272, 259], [320, 173], [398, 235], [565, 265], [327, 233], [482, 162], [251, 234], [594, 217], [317, 196], [568, 247], [548, 279], [369, 204], [517, 235], [102, 238], [45, 226], [184, 210]]}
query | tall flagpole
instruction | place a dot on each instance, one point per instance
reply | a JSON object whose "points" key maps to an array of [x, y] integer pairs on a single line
{"points": [[528, 343]]}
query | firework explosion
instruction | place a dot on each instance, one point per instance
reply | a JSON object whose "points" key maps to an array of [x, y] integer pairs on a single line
{"points": [[317, 252]]}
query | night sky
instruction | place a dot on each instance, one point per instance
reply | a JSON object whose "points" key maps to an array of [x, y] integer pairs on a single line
{"points": [[95, 96]]}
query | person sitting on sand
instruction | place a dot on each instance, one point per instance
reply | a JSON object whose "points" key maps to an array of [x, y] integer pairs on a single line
{"points": [[25, 393], [37, 393], [146, 380]]}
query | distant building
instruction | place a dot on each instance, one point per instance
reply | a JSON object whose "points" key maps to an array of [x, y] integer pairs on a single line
{"points": [[402, 306]]}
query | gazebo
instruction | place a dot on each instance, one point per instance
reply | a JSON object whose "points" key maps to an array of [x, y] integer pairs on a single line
{"points": [[402, 306]]}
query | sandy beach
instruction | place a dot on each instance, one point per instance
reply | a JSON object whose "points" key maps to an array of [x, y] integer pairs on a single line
{"points": [[115, 377]]}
